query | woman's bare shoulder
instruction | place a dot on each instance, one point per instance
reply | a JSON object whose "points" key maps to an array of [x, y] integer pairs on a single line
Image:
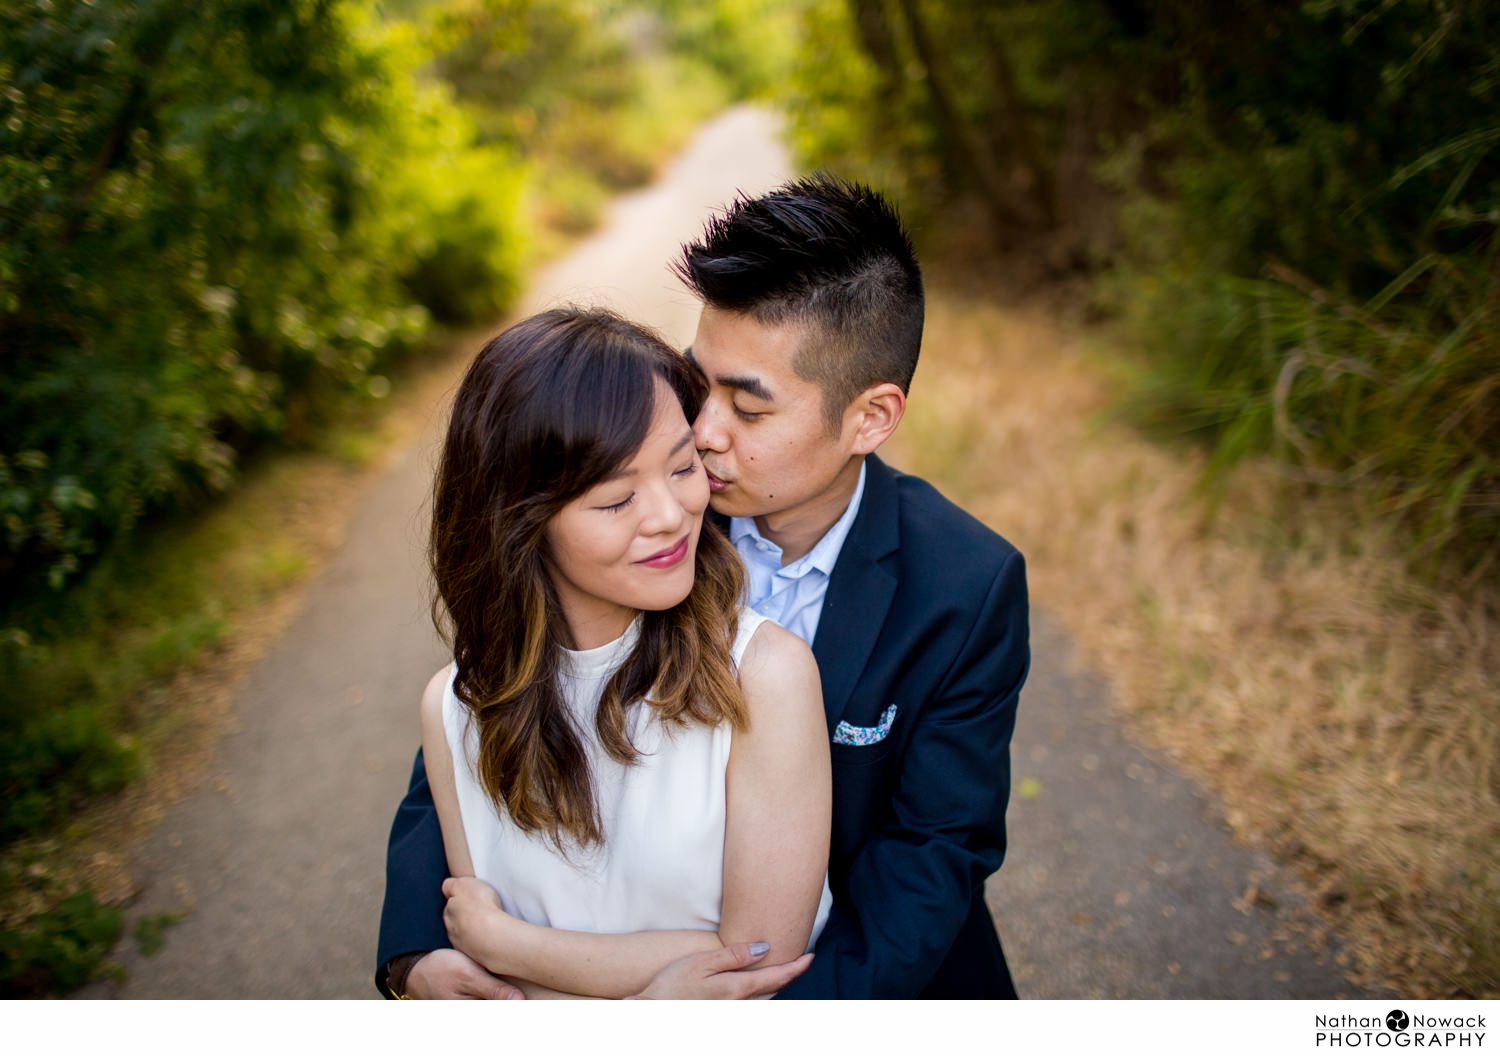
{"points": [[432, 697], [778, 673]]}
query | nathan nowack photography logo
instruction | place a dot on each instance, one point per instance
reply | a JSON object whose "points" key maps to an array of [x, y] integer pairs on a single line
{"points": [[1401, 1031]]}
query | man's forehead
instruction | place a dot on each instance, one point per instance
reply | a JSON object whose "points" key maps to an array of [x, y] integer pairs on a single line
{"points": [[747, 341]]}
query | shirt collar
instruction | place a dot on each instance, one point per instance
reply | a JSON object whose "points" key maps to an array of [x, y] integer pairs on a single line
{"points": [[825, 552]]}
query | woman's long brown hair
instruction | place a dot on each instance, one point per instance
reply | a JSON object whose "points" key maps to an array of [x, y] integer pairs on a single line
{"points": [[547, 410]]}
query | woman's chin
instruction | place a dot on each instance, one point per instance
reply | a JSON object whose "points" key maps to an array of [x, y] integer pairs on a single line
{"points": [[668, 594]]}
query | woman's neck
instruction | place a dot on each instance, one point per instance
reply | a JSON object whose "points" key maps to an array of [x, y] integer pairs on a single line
{"points": [[590, 630]]}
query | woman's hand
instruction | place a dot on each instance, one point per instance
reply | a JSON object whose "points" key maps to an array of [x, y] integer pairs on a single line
{"points": [[475, 920], [726, 974]]}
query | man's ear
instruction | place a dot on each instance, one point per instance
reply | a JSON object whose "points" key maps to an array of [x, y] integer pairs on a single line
{"points": [[876, 412]]}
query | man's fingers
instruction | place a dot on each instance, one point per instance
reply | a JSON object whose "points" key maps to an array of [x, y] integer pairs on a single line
{"points": [[486, 987]]}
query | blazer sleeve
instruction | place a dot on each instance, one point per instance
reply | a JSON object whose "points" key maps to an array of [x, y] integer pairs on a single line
{"points": [[416, 865], [912, 883]]}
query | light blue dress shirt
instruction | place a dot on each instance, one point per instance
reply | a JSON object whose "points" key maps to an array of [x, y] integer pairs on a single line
{"points": [[793, 595]]}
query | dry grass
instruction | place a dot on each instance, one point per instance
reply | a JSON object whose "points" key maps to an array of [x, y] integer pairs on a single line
{"points": [[1348, 715]]}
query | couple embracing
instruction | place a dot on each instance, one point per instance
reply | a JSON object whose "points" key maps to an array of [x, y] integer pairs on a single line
{"points": [[762, 750]]}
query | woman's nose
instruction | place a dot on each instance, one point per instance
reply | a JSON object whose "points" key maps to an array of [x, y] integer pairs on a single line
{"points": [[663, 513]]}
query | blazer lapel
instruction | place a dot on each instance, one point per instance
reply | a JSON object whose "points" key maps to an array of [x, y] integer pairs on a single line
{"points": [[859, 591]]}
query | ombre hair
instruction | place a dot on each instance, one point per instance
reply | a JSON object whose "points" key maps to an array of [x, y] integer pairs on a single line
{"points": [[548, 409]]}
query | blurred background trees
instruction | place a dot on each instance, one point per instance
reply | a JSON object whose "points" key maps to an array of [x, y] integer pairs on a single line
{"points": [[223, 223], [215, 216], [1295, 206], [218, 222]]}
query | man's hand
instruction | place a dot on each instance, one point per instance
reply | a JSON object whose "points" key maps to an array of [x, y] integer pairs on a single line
{"points": [[474, 918], [448, 974], [724, 975]]}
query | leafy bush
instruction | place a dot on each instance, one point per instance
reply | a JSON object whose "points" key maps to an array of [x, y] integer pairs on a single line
{"points": [[1321, 282], [218, 221], [213, 217], [58, 950], [589, 92], [1297, 206]]}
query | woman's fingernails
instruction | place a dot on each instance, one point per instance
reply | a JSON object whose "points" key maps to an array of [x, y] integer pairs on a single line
{"points": [[759, 949]]}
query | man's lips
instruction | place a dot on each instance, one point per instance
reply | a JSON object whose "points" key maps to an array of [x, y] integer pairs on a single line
{"points": [[669, 557], [715, 483]]}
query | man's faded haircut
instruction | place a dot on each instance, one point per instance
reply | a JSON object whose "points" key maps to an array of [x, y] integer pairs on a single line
{"points": [[832, 257]]}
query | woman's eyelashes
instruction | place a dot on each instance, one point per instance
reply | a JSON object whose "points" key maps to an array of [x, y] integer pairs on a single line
{"points": [[616, 507]]}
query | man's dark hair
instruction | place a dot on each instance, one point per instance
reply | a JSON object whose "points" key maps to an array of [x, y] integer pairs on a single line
{"points": [[827, 254]]}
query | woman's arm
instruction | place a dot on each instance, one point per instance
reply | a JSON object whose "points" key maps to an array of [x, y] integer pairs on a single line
{"points": [[474, 913], [573, 962], [440, 775], [780, 802], [779, 805]]}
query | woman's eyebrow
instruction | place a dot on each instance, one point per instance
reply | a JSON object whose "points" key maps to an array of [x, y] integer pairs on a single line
{"points": [[627, 471]]}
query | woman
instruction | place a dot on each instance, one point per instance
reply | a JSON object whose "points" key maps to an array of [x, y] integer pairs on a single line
{"points": [[633, 767]]}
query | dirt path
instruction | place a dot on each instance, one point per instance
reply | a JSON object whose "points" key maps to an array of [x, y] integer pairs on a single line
{"points": [[1120, 884]]}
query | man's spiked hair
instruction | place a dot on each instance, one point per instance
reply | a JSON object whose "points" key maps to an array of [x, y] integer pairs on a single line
{"points": [[830, 256]]}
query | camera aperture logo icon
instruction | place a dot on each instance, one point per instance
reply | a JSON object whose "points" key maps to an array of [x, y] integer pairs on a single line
{"points": [[1397, 1020]]}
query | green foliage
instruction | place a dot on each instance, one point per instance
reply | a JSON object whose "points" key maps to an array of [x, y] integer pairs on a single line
{"points": [[553, 72], [941, 102], [151, 931], [58, 950], [589, 92], [222, 223], [1321, 281], [748, 43], [832, 99], [217, 220], [1297, 207], [213, 216]]}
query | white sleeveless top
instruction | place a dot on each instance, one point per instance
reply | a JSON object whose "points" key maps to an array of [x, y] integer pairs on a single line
{"points": [[661, 866]]}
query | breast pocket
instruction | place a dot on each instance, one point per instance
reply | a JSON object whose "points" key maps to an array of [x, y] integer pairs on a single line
{"points": [[863, 745]]}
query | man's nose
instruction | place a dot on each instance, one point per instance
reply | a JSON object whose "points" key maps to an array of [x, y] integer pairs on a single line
{"points": [[708, 429]]}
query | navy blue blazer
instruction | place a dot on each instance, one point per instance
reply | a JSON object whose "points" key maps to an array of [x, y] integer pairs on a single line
{"points": [[926, 612]]}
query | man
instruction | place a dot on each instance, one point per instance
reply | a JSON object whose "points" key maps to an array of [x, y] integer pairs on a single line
{"points": [[917, 614]]}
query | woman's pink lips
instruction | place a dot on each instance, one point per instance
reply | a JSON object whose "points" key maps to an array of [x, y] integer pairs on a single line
{"points": [[667, 558]]}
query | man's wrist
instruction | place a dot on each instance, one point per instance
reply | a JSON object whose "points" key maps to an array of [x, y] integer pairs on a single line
{"points": [[398, 970]]}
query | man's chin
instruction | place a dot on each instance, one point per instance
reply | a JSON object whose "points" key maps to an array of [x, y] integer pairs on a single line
{"points": [[723, 503]]}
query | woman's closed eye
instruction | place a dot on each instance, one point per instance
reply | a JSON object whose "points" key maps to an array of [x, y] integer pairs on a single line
{"points": [[687, 470], [617, 507]]}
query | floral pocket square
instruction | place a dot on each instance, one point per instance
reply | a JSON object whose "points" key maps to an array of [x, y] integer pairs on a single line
{"points": [[862, 735]]}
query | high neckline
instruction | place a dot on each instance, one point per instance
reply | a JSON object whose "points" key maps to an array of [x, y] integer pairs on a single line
{"points": [[602, 660]]}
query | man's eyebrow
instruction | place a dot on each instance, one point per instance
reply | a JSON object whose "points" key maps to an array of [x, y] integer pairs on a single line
{"points": [[746, 383]]}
